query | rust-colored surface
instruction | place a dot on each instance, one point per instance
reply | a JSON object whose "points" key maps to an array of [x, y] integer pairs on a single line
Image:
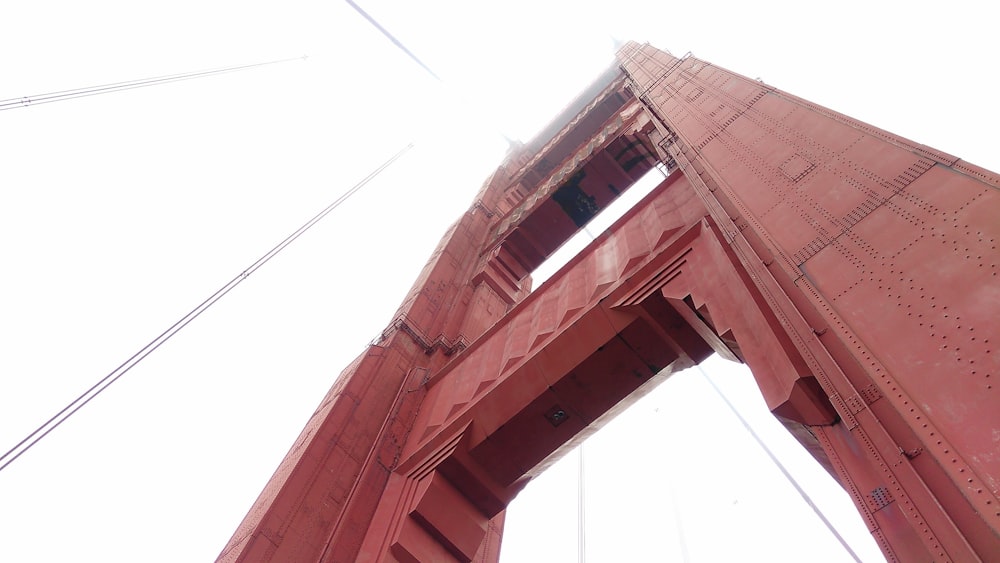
{"points": [[855, 272]]}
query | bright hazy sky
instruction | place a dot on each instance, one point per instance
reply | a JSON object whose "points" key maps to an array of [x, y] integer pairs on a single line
{"points": [[119, 213]]}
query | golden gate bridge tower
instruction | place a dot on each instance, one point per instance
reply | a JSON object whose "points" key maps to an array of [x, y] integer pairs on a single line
{"points": [[854, 272]]}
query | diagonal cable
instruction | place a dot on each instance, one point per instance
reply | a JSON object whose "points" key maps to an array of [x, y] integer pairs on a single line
{"points": [[781, 466], [392, 38], [52, 423], [25, 101]]}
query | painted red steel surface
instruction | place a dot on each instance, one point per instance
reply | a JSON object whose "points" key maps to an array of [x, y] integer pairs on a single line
{"points": [[854, 271]]}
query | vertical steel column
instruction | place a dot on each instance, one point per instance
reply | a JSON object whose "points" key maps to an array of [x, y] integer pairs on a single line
{"points": [[879, 256]]}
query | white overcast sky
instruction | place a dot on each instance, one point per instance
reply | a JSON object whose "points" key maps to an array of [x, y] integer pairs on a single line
{"points": [[119, 213]]}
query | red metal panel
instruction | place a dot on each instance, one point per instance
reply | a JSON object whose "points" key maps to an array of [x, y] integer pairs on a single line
{"points": [[854, 271], [863, 254]]}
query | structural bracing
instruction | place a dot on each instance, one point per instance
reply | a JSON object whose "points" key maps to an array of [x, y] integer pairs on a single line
{"points": [[854, 271]]}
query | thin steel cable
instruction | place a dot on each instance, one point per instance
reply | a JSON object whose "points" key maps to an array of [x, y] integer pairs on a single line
{"points": [[26, 101], [464, 100], [52, 423], [392, 38], [784, 471]]}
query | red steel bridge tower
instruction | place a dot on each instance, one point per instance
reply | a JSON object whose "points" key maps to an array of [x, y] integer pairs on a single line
{"points": [[854, 271]]}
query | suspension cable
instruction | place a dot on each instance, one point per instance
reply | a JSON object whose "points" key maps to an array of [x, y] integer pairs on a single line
{"points": [[393, 39], [25, 101], [105, 382], [781, 466]]}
